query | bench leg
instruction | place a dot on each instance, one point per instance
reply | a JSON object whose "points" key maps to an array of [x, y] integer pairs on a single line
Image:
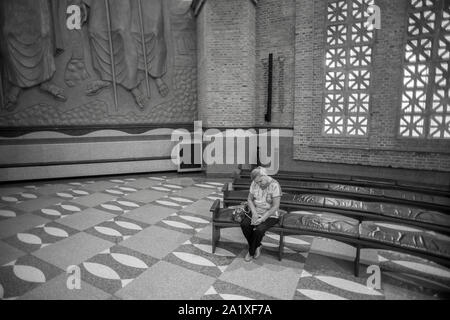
{"points": [[215, 237], [358, 254], [281, 247]]}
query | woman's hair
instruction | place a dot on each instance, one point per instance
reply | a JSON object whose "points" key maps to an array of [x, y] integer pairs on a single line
{"points": [[258, 172]]}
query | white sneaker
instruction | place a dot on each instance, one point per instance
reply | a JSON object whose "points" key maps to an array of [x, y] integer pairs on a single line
{"points": [[248, 257], [257, 252]]}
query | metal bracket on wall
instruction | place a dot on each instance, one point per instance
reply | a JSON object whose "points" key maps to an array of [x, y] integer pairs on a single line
{"points": [[2, 90], [268, 115], [281, 60]]}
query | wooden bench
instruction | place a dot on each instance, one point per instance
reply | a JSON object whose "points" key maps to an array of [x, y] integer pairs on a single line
{"points": [[349, 190], [362, 181], [348, 230], [361, 210]]}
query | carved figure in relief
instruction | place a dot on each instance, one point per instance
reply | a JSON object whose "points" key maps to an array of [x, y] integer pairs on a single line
{"points": [[127, 45], [30, 41]]}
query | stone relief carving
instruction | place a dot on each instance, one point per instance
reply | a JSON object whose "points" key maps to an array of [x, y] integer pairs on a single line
{"points": [[125, 64], [31, 40], [76, 70], [127, 45]]}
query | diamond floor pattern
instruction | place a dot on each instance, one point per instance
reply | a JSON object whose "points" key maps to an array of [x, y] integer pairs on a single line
{"points": [[148, 237]]}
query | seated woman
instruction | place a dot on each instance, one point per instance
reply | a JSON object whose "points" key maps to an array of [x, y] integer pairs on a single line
{"points": [[263, 202]]}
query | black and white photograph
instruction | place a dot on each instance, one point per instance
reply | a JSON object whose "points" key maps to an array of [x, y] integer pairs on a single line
{"points": [[224, 155]]}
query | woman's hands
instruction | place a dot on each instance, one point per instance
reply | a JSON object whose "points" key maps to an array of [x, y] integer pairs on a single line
{"points": [[256, 220]]}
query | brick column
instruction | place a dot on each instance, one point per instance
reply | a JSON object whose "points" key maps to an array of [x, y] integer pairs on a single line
{"points": [[226, 33]]}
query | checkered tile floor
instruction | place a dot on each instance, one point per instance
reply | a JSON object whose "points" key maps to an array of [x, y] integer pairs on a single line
{"points": [[148, 237]]}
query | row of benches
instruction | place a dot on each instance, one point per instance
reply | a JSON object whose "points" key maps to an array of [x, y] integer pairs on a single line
{"points": [[348, 190], [362, 181], [410, 227]]}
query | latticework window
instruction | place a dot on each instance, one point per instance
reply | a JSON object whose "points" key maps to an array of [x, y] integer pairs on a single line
{"points": [[425, 110], [348, 61]]}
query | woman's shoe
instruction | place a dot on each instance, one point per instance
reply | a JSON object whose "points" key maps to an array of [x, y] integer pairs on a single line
{"points": [[258, 252], [248, 257]]}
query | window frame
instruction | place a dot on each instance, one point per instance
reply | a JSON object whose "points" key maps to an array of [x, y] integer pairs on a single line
{"points": [[347, 69], [438, 10]]}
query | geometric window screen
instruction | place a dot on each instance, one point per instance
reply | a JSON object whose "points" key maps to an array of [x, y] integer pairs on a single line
{"points": [[348, 61], [425, 108]]}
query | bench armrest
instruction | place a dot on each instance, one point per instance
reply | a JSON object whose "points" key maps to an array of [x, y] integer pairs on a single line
{"points": [[215, 208], [227, 187], [282, 217]]}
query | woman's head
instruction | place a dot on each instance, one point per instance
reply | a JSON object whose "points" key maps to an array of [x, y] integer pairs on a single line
{"points": [[260, 177]]}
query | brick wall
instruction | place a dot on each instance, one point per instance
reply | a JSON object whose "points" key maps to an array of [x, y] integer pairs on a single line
{"points": [[382, 147], [226, 63], [275, 33], [234, 41]]}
